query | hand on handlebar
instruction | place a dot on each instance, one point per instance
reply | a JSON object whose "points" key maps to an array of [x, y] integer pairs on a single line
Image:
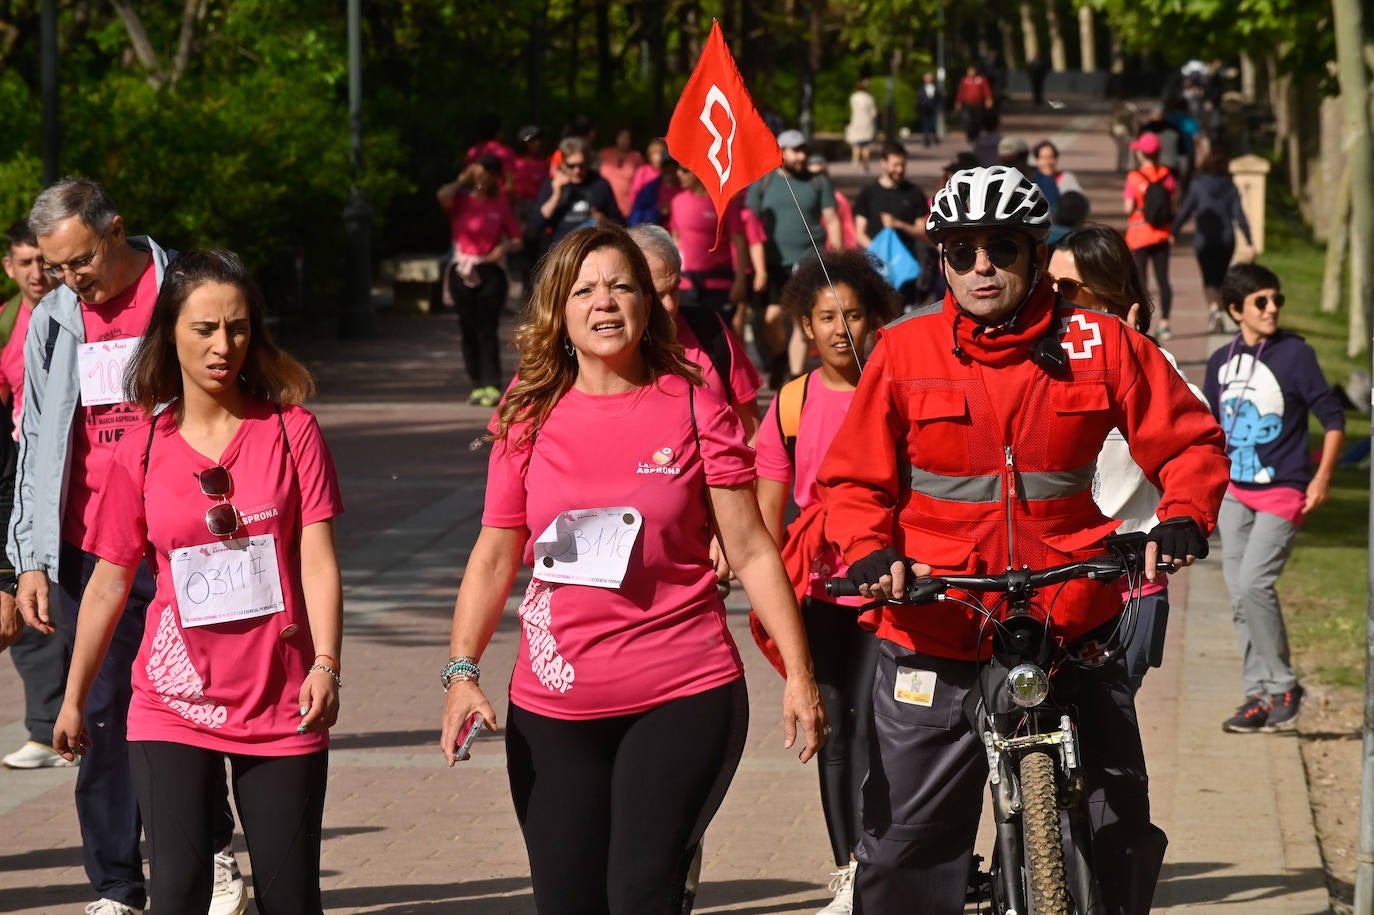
{"points": [[882, 574], [1177, 541]]}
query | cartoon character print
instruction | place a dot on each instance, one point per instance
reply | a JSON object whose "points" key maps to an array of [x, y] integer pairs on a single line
{"points": [[1251, 416]]}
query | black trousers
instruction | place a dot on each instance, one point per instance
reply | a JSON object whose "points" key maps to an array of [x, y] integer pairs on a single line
{"points": [[479, 316], [1157, 254], [924, 792], [280, 801], [611, 808], [844, 657]]}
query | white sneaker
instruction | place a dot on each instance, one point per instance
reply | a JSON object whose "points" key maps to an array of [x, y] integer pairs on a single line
{"points": [[230, 896], [34, 755], [110, 907], [842, 885]]}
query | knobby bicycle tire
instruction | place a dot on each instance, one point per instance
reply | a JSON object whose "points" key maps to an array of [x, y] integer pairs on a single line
{"points": [[1040, 831]]}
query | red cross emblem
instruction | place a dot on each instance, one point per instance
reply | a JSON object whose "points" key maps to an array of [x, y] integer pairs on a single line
{"points": [[1078, 336]]}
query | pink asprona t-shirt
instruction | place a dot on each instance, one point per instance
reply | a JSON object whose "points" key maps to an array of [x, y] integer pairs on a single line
{"points": [[591, 652], [822, 413], [744, 378], [97, 429], [232, 687], [692, 217], [479, 224], [12, 364]]}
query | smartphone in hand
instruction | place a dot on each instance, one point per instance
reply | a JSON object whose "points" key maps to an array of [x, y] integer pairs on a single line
{"points": [[468, 735]]}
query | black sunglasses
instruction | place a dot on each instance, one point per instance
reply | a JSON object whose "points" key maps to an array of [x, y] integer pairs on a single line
{"points": [[1262, 301], [1002, 251], [222, 518], [1070, 289]]}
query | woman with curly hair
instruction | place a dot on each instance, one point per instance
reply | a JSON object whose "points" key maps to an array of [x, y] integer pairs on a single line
{"points": [[838, 301], [609, 470]]}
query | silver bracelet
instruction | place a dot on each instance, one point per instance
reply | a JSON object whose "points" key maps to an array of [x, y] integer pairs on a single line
{"points": [[329, 670]]}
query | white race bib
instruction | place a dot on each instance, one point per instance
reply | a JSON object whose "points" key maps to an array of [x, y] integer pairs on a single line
{"points": [[227, 580], [589, 546], [102, 370]]}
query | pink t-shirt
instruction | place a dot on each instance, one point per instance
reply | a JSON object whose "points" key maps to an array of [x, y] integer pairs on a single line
{"points": [[232, 686], [643, 175], [845, 211], [822, 413], [12, 364], [744, 378], [478, 224], [530, 172], [618, 168], [1284, 501], [494, 148], [590, 652], [692, 218], [754, 232], [99, 428]]}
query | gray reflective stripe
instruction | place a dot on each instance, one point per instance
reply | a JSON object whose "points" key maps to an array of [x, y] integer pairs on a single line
{"points": [[956, 489], [1032, 486]]}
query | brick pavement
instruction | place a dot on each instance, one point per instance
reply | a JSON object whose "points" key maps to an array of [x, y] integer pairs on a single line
{"points": [[404, 834]]}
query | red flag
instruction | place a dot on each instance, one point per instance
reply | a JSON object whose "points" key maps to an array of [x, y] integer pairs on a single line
{"points": [[717, 132]]}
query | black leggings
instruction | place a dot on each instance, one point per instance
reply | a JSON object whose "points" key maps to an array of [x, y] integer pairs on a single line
{"points": [[280, 801], [611, 807], [845, 657], [479, 315], [1158, 254]]}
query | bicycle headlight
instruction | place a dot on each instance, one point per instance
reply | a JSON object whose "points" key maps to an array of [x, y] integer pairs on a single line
{"points": [[1028, 685]]}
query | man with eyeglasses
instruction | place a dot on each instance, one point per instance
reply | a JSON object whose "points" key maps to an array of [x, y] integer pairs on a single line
{"points": [[573, 196], [969, 448], [79, 338]]}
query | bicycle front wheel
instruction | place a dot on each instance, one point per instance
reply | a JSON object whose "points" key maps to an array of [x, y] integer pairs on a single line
{"points": [[1040, 827]]}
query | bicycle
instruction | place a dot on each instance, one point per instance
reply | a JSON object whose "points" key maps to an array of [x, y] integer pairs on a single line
{"points": [[1025, 717]]}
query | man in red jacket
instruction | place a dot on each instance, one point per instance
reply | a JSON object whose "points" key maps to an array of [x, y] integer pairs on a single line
{"points": [[970, 448]]}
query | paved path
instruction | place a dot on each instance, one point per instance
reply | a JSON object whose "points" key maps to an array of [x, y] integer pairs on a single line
{"points": [[404, 834]]}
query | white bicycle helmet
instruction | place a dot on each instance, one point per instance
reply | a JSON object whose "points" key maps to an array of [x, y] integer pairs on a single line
{"points": [[998, 196]]}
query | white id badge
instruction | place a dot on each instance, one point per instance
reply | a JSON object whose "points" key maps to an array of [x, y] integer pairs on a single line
{"points": [[227, 580], [102, 370], [914, 687], [589, 546]]}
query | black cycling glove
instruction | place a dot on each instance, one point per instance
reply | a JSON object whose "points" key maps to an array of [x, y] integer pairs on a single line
{"points": [[875, 565], [1179, 538]]}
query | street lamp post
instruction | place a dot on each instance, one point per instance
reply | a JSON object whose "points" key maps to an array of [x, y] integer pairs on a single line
{"points": [[47, 41], [358, 319]]}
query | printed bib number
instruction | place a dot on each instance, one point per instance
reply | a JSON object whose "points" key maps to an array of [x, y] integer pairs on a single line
{"points": [[914, 687], [102, 370], [588, 546], [228, 580]]}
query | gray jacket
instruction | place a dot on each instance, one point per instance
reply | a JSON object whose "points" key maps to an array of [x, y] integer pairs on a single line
{"points": [[52, 388]]}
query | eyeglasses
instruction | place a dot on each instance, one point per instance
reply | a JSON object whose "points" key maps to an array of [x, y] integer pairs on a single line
{"points": [[78, 266], [222, 518], [1002, 251], [1069, 289], [570, 166], [1262, 301]]}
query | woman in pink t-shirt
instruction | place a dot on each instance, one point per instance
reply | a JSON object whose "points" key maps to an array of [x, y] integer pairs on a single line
{"points": [[609, 470], [232, 492], [790, 451], [484, 230]]}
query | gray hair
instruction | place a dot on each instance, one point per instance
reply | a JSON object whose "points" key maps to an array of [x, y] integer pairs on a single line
{"points": [[73, 196], [656, 240], [574, 146]]}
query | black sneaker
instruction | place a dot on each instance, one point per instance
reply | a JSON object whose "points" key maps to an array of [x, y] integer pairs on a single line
{"points": [[1283, 713], [1250, 718]]}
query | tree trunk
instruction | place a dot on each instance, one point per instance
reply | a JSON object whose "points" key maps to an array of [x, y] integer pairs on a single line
{"points": [[1029, 37], [1334, 271], [1354, 79], [604, 63], [1248, 78], [1059, 58], [139, 41], [1087, 39]]}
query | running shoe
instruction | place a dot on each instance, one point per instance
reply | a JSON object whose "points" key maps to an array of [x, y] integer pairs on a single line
{"points": [[230, 896], [842, 885], [110, 907], [1215, 323], [1250, 718], [1283, 713], [34, 755], [488, 396]]}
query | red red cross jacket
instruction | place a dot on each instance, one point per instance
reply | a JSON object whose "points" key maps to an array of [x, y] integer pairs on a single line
{"points": [[972, 463]]}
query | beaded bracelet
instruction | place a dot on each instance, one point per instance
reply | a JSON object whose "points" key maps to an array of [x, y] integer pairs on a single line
{"points": [[329, 670], [460, 668]]}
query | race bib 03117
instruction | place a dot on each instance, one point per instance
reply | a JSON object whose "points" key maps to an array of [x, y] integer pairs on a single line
{"points": [[227, 580]]}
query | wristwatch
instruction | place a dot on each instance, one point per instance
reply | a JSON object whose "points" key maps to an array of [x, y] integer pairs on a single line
{"points": [[9, 583]]}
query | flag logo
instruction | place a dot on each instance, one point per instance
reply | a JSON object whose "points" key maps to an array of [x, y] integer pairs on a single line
{"points": [[716, 97]]}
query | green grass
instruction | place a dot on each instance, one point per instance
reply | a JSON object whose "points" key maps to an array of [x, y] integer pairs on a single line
{"points": [[1325, 584]]}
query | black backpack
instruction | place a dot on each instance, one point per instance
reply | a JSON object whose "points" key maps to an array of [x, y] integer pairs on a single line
{"points": [[1157, 204]]}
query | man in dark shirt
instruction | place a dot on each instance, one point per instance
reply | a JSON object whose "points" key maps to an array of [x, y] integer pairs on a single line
{"points": [[895, 202], [574, 196]]}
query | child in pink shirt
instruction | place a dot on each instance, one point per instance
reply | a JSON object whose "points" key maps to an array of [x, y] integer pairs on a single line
{"points": [[790, 451]]}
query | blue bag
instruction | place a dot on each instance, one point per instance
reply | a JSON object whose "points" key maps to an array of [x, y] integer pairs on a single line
{"points": [[898, 265]]}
